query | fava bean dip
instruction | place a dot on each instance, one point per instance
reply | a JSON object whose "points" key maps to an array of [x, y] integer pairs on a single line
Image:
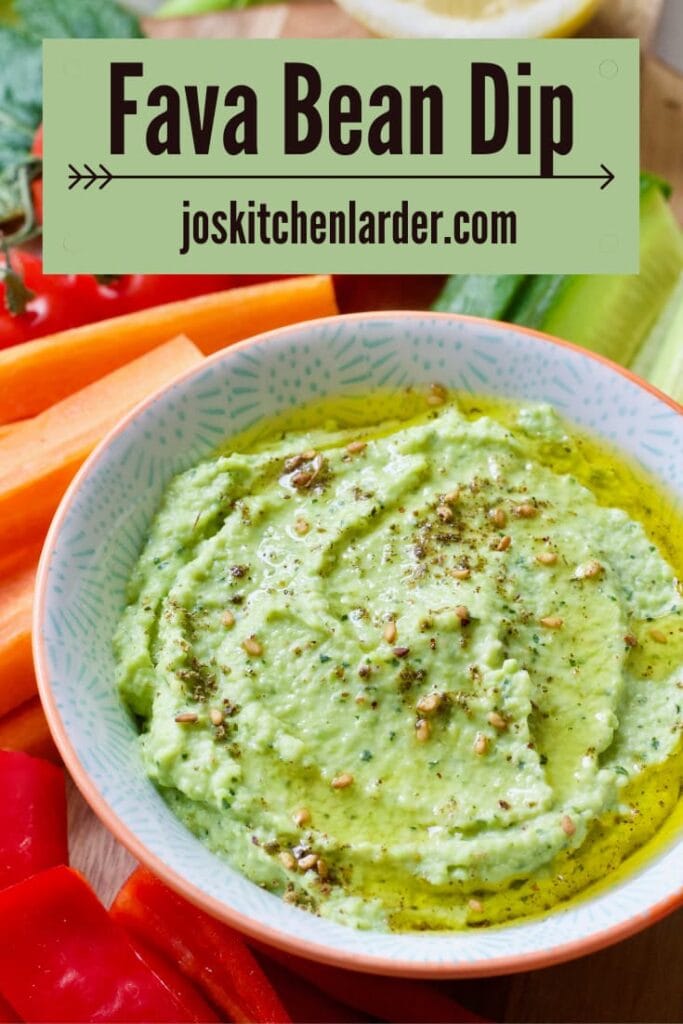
{"points": [[423, 672]]}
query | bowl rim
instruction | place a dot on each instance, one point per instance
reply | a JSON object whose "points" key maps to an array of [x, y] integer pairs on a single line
{"points": [[273, 936]]}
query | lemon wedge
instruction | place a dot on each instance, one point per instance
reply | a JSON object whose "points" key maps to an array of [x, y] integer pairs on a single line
{"points": [[473, 19]]}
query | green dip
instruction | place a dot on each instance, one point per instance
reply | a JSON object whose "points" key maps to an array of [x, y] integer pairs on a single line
{"points": [[416, 674]]}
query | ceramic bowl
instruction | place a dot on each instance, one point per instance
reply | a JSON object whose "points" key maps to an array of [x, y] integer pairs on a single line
{"points": [[101, 526]]}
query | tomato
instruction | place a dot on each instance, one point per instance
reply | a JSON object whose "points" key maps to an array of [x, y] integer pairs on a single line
{"points": [[33, 304]]}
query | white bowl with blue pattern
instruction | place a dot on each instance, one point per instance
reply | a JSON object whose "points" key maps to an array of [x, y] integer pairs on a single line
{"points": [[102, 524]]}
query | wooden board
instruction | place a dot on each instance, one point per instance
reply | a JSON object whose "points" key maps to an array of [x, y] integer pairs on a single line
{"points": [[640, 979]]}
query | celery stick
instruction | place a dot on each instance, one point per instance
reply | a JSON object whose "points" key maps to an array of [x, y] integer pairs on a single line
{"points": [[611, 314], [182, 8], [648, 353], [667, 370]]}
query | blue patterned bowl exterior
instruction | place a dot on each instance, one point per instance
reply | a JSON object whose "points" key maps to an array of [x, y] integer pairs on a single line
{"points": [[101, 527]]}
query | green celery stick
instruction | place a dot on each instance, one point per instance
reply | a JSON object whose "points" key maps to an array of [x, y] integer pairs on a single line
{"points": [[182, 8], [611, 314], [648, 354], [667, 371]]}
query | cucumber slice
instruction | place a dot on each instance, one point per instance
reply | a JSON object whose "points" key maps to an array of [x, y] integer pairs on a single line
{"points": [[479, 294], [611, 314]]}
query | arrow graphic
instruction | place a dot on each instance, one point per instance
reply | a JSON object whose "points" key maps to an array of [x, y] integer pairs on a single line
{"points": [[103, 176], [609, 178], [88, 177]]}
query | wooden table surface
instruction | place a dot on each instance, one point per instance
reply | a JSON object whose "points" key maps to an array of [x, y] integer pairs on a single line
{"points": [[637, 980]]}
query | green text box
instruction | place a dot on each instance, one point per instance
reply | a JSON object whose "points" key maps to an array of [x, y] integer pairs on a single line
{"points": [[391, 212]]}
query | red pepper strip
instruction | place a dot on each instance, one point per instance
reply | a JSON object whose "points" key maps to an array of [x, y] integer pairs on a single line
{"points": [[211, 954], [7, 1014], [172, 978], [306, 1004], [396, 1000], [62, 958], [32, 816]]}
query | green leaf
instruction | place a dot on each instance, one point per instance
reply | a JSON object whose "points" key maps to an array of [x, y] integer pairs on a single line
{"points": [[21, 79], [20, 94], [78, 19], [8, 15]]}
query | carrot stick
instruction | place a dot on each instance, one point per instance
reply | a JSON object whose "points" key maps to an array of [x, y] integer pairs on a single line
{"points": [[39, 373], [39, 458], [16, 559], [26, 729], [17, 678]]}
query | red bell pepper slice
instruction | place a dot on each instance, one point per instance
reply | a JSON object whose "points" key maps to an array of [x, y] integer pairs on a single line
{"points": [[173, 979], [305, 1003], [396, 1000], [62, 958], [32, 816], [211, 954], [7, 1014]]}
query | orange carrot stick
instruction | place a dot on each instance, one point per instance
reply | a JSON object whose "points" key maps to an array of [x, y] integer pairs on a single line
{"points": [[17, 678], [39, 373], [39, 458], [26, 729]]}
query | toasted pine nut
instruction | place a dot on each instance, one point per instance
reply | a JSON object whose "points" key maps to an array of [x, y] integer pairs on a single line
{"points": [[552, 621], [495, 719], [430, 702], [481, 744], [422, 730], [658, 636], [462, 573], [437, 395], [302, 816], [497, 516], [390, 631], [216, 716], [588, 571], [342, 781], [287, 859], [186, 718], [568, 826], [546, 558], [252, 646], [309, 861], [356, 447], [228, 619]]}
